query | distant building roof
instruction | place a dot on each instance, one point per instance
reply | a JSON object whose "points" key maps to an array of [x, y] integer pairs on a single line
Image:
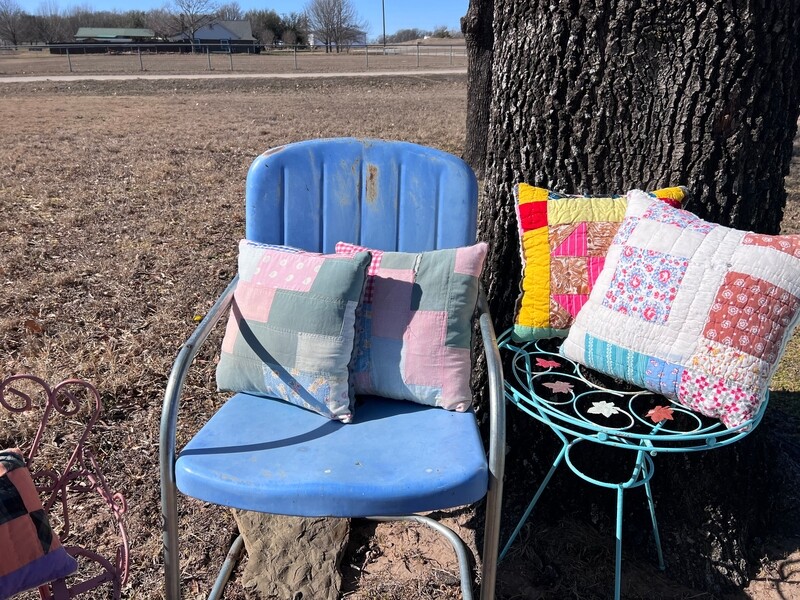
{"points": [[239, 30], [111, 33]]}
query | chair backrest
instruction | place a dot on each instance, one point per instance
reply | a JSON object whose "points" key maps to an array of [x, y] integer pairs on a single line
{"points": [[386, 195]]}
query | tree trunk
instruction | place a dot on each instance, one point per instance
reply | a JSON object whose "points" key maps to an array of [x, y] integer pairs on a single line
{"points": [[476, 26], [608, 95]]}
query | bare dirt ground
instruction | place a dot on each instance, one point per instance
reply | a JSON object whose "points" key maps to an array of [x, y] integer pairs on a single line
{"points": [[122, 203]]}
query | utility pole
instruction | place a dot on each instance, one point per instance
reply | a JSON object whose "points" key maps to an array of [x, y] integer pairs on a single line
{"points": [[383, 13]]}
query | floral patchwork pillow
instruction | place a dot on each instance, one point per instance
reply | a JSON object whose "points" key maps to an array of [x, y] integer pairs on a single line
{"points": [[30, 552], [564, 240], [291, 332], [692, 310], [415, 330]]}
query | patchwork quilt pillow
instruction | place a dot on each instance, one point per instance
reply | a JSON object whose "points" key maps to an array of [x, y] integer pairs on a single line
{"points": [[415, 330], [692, 310], [291, 331], [564, 240], [31, 552]]}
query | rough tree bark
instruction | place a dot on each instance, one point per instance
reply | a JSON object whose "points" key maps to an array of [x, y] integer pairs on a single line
{"points": [[476, 26], [601, 96]]}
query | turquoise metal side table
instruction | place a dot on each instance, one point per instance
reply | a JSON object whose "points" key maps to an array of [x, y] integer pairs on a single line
{"points": [[579, 405]]}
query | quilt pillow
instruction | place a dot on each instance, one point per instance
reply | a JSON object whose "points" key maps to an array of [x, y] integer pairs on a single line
{"points": [[692, 310], [291, 332], [31, 552], [415, 330], [564, 240]]}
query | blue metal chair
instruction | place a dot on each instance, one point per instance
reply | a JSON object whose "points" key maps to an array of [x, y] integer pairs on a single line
{"points": [[393, 196]]}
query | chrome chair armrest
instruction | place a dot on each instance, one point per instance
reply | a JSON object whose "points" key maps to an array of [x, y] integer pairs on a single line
{"points": [[169, 425], [497, 447], [180, 368]]}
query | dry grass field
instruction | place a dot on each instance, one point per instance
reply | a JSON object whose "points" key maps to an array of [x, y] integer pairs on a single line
{"points": [[122, 205]]}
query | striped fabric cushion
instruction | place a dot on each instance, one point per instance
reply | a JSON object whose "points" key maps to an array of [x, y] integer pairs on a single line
{"points": [[31, 553], [564, 240]]}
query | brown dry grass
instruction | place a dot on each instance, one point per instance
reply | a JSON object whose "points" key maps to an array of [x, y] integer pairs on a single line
{"points": [[122, 205]]}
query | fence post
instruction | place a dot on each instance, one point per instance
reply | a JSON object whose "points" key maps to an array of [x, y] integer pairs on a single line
{"points": [[366, 53], [69, 60], [208, 55], [451, 56], [141, 65], [417, 54], [294, 48], [230, 57]]}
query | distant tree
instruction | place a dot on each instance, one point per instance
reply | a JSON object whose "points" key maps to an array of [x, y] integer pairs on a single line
{"points": [[80, 15], [335, 22], [193, 14], [405, 35], [441, 31], [49, 25], [10, 21], [267, 25], [297, 23], [162, 22], [289, 37], [230, 11]]}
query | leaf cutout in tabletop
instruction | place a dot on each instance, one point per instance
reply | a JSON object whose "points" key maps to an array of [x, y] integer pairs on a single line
{"points": [[559, 387], [660, 413], [546, 363], [605, 408]]}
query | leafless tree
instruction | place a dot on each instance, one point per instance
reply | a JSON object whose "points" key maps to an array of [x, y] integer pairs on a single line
{"points": [[193, 14], [230, 11], [162, 22], [335, 22], [50, 25], [289, 37], [10, 21]]}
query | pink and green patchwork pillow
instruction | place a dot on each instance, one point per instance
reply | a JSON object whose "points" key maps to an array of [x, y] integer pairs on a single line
{"points": [[31, 554], [563, 243], [292, 327], [692, 310], [415, 336]]}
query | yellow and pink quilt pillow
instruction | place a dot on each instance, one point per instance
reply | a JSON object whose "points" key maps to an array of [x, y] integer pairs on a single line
{"points": [[692, 310], [564, 240]]}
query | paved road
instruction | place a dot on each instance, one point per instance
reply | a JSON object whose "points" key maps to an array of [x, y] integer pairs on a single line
{"points": [[99, 77]]}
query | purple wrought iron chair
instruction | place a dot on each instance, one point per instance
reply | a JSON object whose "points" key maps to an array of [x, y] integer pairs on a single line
{"points": [[67, 413], [392, 196]]}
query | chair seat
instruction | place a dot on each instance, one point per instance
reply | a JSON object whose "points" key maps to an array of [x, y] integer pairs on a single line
{"points": [[291, 461]]}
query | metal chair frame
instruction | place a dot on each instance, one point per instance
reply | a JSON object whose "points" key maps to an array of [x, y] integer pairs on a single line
{"points": [[80, 475], [495, 463]]}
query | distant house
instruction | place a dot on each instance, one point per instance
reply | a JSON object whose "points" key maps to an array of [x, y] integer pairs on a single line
{"points": [[236, 36], [111, 35]]}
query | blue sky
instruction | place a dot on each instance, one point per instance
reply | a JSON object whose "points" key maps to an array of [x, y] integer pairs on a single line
{"points": [[400, 14]]}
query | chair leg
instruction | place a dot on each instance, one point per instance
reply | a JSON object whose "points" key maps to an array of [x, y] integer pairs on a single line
{"points": [[618, 558], [491, 540], [455, 541], [227, 568], [169, 513], [656, 537], [533, 502]]}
